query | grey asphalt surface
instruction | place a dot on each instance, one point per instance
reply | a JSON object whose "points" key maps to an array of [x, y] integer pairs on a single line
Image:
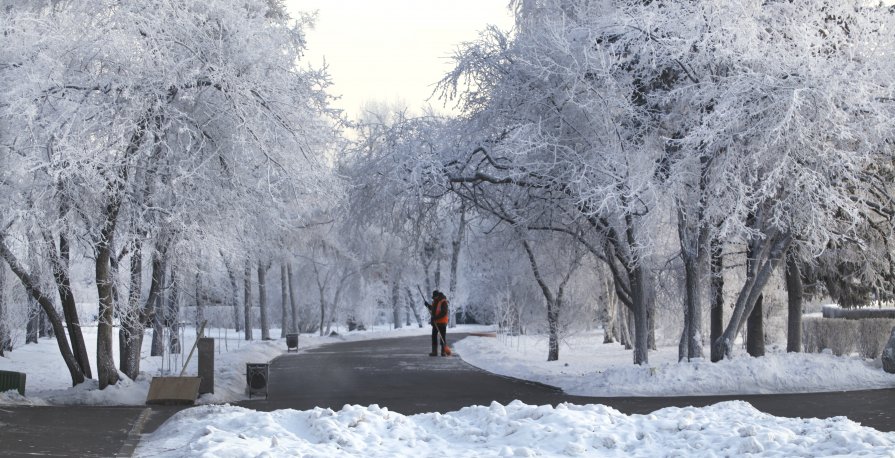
{"points": [[394, 373], [82, 431], [399, 374]]}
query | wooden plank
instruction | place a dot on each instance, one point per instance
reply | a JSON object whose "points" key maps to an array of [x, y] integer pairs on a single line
{"points": [[173, 390]]}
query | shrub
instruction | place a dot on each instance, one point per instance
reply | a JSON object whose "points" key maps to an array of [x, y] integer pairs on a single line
{"points": [[836, 334], [810, 335], [873, 333], [867, 336], [840, 335]]}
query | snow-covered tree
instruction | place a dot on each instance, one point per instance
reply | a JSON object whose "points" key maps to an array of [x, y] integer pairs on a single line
{"points": [[146, 122]]}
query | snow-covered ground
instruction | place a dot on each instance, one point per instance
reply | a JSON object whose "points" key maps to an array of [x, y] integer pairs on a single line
{"points": [[586, 366]]}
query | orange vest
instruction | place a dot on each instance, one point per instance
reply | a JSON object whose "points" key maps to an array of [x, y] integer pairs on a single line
{"points": [[437, 310]]}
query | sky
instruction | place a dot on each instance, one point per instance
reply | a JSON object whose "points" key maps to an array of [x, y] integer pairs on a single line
{"points": [[393, 51]]}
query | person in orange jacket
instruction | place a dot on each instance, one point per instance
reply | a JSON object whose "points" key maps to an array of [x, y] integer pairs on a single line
{"points": [[438, 310]]}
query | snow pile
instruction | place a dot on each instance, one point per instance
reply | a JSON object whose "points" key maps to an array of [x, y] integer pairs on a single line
{"points": [[725, 429], [589, 368]]}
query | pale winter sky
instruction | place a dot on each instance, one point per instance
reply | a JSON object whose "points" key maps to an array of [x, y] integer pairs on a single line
{"points": [[393, 51]]}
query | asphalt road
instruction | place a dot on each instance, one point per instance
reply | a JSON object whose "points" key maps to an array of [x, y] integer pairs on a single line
{"points": [[82, 431], [394, 373], [399, 374]]}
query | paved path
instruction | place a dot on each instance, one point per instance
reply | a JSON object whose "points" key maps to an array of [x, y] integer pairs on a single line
{"points": [[394, 373], [82, 431], [399, 374]]}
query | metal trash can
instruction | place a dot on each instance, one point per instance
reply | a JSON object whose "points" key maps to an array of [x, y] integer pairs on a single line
{"points": [[291, 342], [11, 380], [256, 378]]}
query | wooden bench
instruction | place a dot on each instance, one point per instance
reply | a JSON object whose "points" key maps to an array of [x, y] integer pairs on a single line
{"points": [[10, 380]]}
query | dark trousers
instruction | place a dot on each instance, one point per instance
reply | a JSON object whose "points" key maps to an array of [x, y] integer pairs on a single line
{"points": [[436, 329]]}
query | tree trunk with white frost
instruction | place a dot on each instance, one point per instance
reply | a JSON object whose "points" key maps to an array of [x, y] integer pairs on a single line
{"points": [[5, 340], [247, 300], [284, 307], [794, 299], [292, 300], [755, 320], [233, 298], [456, 244], [716, 292], [74, 369], [770, 253], [610, 313], [396, 298], [106, 372], [262, 300]]}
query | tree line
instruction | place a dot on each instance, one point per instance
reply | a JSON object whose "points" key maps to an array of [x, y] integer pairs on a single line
{"points": [[612, 161], [709, 133]]}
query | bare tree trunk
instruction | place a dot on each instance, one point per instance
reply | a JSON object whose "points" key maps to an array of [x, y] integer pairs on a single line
{"points": [[554, 303], [651, 319], [172, 314], [138, 318], [45, 329], [60, 262], [641, 315], [321, 289], [74, 369], [247, 300], [5, 339], [775, 247], [626, 324], [32, 327], [262, 301], [755, 329], [337, 298], [107, 374], [426, 261], [284, 282], [130, 331], [693, 308], [396, 299], [410, 305], [553, 331], [755, 320], [200, 305], [610, 313], [794, 298], [114, 272], [233, 298], [158, 320], [456, 244], [717, 293], [292, 303]]}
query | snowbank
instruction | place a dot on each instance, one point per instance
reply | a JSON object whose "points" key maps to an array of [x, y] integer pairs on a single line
{"points": [[589, 368], [517, 429]]}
